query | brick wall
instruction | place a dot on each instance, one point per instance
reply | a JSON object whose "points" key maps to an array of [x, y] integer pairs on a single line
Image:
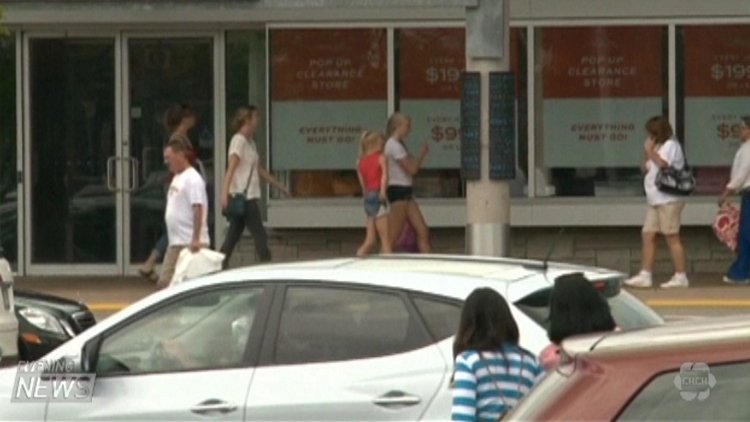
{"points": [[615, 248]]}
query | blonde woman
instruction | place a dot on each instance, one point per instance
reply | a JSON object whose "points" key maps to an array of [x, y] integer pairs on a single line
{"points": [[372, 170], [401, 168], [242, 185]]}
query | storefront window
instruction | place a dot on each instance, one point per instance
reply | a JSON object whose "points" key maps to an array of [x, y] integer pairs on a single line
{"points": [[8, 182], [327, 86], [596, 88], [246, 84], [429, 62], [713, 69]]}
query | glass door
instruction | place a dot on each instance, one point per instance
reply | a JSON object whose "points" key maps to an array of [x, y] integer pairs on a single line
{"points": [[71, 150], [162, 73]]}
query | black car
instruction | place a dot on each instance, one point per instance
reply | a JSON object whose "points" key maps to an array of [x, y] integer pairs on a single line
{"points": [[45, 322]]}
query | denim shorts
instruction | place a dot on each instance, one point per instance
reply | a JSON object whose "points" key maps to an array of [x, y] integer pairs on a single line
{"points": [[374, 206]]}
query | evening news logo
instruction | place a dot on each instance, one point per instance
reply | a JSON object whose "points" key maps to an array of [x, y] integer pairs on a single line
{"points": [[51, 382], [694, 381]]}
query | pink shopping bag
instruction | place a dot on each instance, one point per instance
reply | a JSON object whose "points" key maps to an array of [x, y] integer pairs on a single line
{"points": [[727, 224], [408, 240]]}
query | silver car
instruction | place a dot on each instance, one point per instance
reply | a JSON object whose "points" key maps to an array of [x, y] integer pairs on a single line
{"points": [[335, 340]]}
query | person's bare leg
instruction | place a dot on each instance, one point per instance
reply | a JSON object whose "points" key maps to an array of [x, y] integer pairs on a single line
{"points": [[414, 215], [382, 225], [677, 251], [397, 218], [648, 251], [680, 279], [370, 238], [150, 263], [147, 268]]}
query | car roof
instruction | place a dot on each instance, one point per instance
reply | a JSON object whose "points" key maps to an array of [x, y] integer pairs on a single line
{"points": [[448, 275], [719, 331]]}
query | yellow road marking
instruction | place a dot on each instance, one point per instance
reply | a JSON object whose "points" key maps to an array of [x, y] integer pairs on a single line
{"points": [[699, 303], [107, 306]]}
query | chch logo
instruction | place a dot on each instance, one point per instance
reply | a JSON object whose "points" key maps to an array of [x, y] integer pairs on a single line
{"points": [[694, 381]]}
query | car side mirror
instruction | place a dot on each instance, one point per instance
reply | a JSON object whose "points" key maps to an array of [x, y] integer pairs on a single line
{"points": [[90, 355]]}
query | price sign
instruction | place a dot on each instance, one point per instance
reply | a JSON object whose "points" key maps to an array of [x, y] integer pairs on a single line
{"points": [[730, 71], [725, 131], [445, 133], [502, 126], [435, 74], [471, 126]]}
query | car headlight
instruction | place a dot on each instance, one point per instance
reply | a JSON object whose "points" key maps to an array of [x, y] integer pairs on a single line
{"points": [[46, 321]]}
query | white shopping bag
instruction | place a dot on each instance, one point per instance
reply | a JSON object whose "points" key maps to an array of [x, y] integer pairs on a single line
{"points": [[191, 265]]}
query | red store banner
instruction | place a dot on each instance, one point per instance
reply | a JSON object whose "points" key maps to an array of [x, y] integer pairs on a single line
{"points": [[329, 64], [603, 61]]}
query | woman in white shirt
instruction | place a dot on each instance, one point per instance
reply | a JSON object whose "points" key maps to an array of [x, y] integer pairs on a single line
{"points": [[739, 183], [401, 168], [243, 175], [664, 212]]}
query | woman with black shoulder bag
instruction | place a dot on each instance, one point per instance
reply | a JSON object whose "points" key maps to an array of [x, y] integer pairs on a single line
{"points": [[241, 189], [667, 182]]}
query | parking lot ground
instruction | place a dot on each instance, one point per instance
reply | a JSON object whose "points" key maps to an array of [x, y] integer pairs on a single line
{"points": [[707, 296]]}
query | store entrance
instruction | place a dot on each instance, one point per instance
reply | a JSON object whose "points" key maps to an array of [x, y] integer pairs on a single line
{"points": [[94, 137]]}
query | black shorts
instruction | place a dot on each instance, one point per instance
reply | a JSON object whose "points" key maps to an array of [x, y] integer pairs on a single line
{"points": [[399, 193]]}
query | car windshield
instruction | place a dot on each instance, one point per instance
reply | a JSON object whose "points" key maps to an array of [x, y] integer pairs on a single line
{"points": [[629, 312]]}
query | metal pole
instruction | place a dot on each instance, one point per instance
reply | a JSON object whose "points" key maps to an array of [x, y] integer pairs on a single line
{"points": [[487, 201]]}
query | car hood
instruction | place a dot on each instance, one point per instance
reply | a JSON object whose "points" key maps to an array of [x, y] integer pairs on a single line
{"points": [[7, 379], [26, 298]]}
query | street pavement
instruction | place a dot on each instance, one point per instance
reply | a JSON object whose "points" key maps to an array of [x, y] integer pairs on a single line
{"points": [[706, 297]]}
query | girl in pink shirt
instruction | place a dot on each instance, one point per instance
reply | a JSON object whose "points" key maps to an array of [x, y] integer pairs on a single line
{"points": [[575, 308], [372, 170]]}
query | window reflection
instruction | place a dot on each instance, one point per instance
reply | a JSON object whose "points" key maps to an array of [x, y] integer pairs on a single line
{"points": [[72, 137], [8, 171]]}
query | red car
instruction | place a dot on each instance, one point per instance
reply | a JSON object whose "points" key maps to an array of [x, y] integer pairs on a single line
{"points": [[689, 371]]}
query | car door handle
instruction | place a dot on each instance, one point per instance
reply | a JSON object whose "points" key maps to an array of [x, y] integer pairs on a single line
{"points": [[397, 399], [209, 406]]}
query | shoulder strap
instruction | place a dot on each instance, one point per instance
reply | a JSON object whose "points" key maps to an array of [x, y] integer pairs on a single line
{"points": [[497, 383], [686, 165]]}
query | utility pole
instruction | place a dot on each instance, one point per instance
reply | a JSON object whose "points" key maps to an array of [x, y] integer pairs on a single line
{"points": [[488, 162]]}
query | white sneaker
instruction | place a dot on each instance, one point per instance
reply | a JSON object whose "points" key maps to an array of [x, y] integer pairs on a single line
{"points": [[731, 281], [638, 281], [676, 283]]}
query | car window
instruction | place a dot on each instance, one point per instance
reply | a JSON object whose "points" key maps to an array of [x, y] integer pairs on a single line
{"points": [[441, 317], [320, 324], [205, 331], [688, 395], [629, 312]]}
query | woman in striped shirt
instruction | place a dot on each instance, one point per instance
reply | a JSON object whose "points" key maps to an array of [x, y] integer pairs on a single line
{"points": [[492, 372]]}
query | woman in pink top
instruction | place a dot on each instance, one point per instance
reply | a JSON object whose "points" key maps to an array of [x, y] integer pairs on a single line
{"points": [[575, 308]]}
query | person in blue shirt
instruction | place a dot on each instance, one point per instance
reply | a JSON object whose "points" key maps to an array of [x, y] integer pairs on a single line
{"points": [[492, 372]]}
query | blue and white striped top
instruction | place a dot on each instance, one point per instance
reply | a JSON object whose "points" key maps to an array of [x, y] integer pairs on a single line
{"points": [[482, 396]]}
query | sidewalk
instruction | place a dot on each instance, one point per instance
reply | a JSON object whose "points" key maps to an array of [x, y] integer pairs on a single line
{"points": [[114, 293], [99, 293]]}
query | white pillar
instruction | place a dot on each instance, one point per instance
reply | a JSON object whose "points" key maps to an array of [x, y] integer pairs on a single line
{"points": [[487, 201]]}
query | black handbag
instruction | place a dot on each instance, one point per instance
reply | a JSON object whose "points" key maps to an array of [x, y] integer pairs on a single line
{"points": [[238, 201], [678, 182]]}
